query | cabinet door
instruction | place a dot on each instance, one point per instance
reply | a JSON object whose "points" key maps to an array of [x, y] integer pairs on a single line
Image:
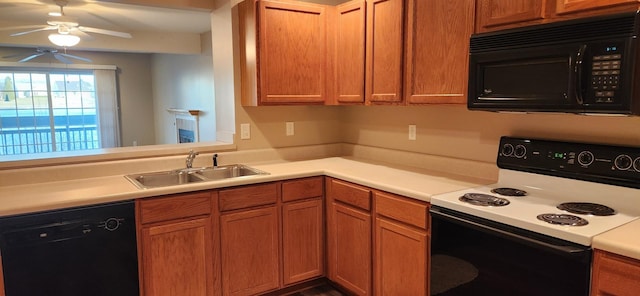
{"points": [[250, 253], [401, 259], [614, 275], [302, 243], [494, 13], [349, 237], [437, 51], [176, 258], [385, 27], [292, 53], [350, 52], [568, 6]]}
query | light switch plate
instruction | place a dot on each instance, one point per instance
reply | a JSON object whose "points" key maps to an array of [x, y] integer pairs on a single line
{"points": [[245, 131], [412, 132], [290, 128]]}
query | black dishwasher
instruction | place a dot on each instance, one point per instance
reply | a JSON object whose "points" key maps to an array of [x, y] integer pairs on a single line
{"points": [[78, 251]]}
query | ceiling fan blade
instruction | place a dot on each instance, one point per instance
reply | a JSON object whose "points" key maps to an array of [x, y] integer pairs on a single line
{"points": [[81, 34], [31, 57], [47, 28], [20, 27], [14, 56], [104, 32], [75, 57], [61, 58]]}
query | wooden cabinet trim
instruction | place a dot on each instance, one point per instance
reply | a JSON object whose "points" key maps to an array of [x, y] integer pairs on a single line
{"points": [[248, 196], [172, 207], [571, 6], [402, 209], [302, 189], [351, 194]]}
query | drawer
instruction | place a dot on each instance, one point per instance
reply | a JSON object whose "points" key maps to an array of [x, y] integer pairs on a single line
{"points": [[302, 189], [174, 207], [248, 196], [402, 209], [351, 194]]}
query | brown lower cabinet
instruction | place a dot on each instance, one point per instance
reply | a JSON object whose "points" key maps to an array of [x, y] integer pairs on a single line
{"points": [[401, 246], [257, 222], [175, 240], [614, 275], [349, 235], [378, 243], [250, 251]]}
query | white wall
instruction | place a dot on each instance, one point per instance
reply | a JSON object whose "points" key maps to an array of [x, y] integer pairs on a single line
{"points": [[184, 82]]}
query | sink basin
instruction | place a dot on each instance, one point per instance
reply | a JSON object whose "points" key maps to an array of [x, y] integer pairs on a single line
{"points": [[186, 176], [229, 171], [165, 178]]}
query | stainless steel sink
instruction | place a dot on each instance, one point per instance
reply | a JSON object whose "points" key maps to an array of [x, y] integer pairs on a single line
{"points": [[229, 171], [165, 178], [186, 176]]}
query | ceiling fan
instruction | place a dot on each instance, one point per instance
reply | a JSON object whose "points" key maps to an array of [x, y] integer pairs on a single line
{"points": [[42, 51], [66, 26]]}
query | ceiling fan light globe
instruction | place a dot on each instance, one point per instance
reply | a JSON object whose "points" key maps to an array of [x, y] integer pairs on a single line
{"points": [[64, 40]]}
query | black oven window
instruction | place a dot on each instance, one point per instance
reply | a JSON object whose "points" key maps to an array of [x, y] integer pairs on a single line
{"points": [[545, 79]]}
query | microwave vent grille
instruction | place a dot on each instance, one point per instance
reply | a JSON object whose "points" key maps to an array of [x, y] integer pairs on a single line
{"points": [[593, 28]]}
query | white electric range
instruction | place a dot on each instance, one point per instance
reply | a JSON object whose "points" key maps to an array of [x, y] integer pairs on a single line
{"points": [[587, 208], [530, 233]]}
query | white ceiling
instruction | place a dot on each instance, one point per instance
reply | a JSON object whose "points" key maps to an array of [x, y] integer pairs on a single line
{"points": [[143, 22]]}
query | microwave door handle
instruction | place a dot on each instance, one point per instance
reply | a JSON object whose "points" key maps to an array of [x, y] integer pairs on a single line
{"points": [[578, 71]]}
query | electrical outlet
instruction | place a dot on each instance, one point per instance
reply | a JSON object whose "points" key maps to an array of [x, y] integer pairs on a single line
{"points": [[290, 128], [412, 132], [245, 131]]}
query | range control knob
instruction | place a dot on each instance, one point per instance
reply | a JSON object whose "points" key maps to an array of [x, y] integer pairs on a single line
{"points": [[520, 151], [507, 150], [636, 164], [111, 224], [623, 162], [585, 158]]}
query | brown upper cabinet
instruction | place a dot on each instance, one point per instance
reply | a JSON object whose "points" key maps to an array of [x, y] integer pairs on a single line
{"points": [[496, 14], [384, 64], [369, 43], [350, 32], [437, 51], [283, 52]]}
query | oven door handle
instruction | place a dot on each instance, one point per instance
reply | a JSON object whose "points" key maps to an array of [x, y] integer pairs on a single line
{"points": [[564, 249]]}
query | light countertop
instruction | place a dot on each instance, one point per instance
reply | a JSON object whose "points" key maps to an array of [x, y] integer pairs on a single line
{"points": [[411, 182], [407, 181], [624, 240]]}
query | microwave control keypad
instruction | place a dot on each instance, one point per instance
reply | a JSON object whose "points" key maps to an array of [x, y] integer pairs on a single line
{"points": [[605, 76]]}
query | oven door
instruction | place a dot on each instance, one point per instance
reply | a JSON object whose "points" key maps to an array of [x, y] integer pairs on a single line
{"points": [[474, 256]]}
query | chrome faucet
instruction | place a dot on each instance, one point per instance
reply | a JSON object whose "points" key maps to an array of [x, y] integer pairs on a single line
{"points": [[192, 155]]}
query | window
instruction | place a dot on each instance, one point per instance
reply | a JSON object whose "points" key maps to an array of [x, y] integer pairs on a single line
{"points": [[49, 110]]}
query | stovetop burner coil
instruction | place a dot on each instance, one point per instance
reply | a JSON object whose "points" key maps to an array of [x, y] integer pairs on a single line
{"points": [[484, 200], [563, 219], [506, 191], [586, 208]]}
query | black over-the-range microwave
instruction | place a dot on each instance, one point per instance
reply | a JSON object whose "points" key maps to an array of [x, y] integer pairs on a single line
{"points": [[588, 66]]}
